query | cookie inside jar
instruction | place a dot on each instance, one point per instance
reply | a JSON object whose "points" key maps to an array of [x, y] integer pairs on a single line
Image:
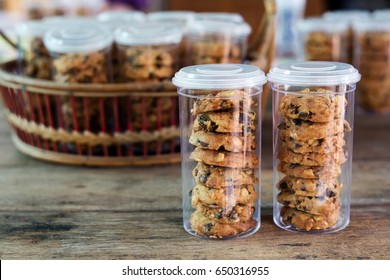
{"points": [[220, 123], [313, 104], [148, 51]]}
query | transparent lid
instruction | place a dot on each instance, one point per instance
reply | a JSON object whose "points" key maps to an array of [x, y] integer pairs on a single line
{"points": [[372, 25], [220, 27], [121, 15], [78, 38], [382, 14], [35, 28], [321, 24], [314, 73], [66, 19], [174, 16], [219, 76], [235, 17], [349, 15], [148, 33]]}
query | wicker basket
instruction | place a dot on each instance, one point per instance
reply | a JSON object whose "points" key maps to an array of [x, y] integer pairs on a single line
{"points": [[98, 125], [105, 124]]}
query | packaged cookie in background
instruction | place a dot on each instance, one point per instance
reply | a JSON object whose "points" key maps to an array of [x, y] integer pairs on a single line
{"points": [[217, 41], [181, 19], [113, 20], [349, 17], [372, 57], [34, 58], [81, 54], [220, 120], [323, 40], [313, 109], [148, 51]]}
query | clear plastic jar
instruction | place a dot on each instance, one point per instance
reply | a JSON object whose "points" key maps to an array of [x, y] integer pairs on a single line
{"points": [[80, 52], [217, 42], [148, 51], [34, 58], [349, 17], [383, 14], [323, 40], [313, 109], [372, 58], [220, 120], [182, 19]]}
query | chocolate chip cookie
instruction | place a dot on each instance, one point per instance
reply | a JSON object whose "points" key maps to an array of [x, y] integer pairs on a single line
{"points": [[310, 187], [209, 227], [239, 213], [223, 141], [322, 146], [309, 172], [225, 159], [220, 177]]}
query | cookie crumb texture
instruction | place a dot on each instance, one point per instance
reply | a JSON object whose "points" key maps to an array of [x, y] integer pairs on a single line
{"points": [[310, 153], [148, 63], [224, 135], [81, 68], [37, 60]]}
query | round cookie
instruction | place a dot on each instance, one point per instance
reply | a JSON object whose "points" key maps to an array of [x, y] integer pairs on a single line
{"points": [[311, 159], [309, 172], [307, 130], [225, 159], [306, 221], [239, 213], [206, 226], [322, 146], [223, 100], [310, 187], [223, 141], [318, 205], [226, 121], [225, 198], [220, 177], [313, 106]]}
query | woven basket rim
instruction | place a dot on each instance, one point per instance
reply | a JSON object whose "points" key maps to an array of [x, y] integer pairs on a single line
{"points": [[10, 78]]}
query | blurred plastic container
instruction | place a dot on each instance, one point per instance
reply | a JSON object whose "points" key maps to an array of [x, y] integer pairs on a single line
{"points": [[121, 15], [313, 113], [381, 14], [372, 57], [148, 51], [220, 121], [350, 17], [323, 40], [80, 53], [34, 58], [217, 41], [8, 22]]}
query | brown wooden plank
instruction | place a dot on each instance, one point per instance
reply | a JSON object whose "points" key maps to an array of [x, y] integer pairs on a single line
{"points": [[160, 235]]}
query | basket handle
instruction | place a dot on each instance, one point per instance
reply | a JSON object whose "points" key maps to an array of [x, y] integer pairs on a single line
{"points": [[8, 40]]}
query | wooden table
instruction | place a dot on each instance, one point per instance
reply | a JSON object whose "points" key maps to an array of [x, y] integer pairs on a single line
{"points": [[59, 212]]}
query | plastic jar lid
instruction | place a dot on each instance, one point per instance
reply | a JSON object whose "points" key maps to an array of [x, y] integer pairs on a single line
{"points": [[372, 25], [234, 17], [220, 27], [66, 19], [351, 15], [382, 14], [148, 33], [219, 76], [35, 28], [320, 24], [314, 73], [121, 16], [179, 16], [78, 38]]}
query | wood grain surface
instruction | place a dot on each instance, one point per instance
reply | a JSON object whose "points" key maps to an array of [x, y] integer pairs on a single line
{"points": [[59, 212]]}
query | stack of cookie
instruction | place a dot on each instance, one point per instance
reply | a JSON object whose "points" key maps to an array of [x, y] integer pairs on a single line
{"points": [[323, 46], [374, 65], [311, 140], [225, 195]]}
